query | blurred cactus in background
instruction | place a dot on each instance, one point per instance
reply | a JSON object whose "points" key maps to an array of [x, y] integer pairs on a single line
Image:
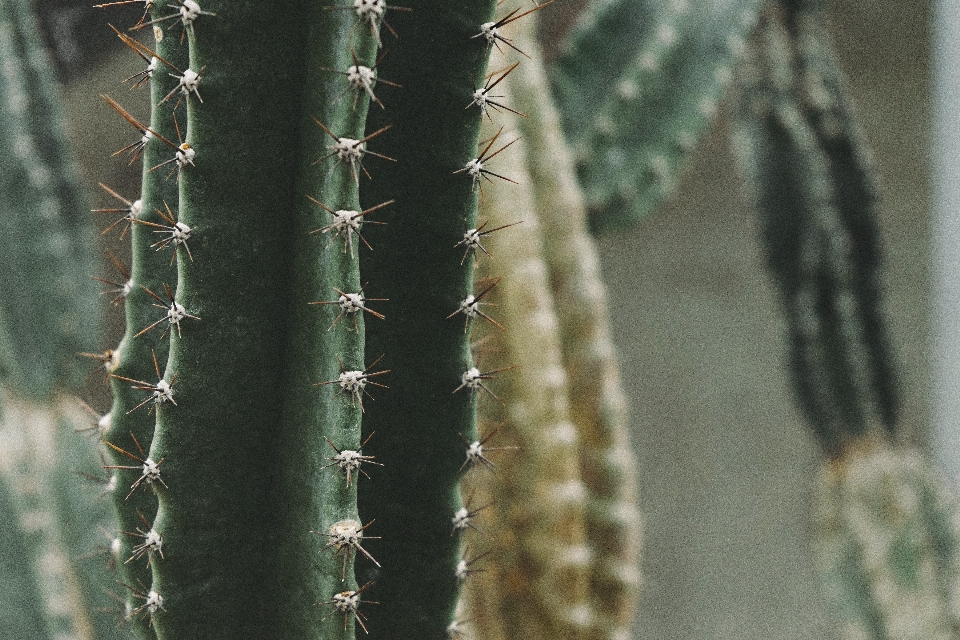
{"points": [[367, 385]]}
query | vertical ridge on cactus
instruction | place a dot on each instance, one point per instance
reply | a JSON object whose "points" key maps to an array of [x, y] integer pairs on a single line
{"points": [[139, 358], [419, 420]]}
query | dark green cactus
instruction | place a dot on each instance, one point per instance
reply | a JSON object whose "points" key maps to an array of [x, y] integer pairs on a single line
{"points": [[886, 538], [267, 376], [814, 187]]}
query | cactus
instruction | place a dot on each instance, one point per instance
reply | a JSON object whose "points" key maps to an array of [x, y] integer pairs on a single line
{"points": [[813, 184], [634, 107], [886, 534], [317, 307], [53, 587], [267, 376], [564, 411], [887, 544]]}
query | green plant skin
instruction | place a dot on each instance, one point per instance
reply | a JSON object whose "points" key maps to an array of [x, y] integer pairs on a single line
{"points": [[150, 270], [627, 25], [248, 496], [633, 131], [87, 520], [807, 169], [220, 444], [47, 301], [419, 420], [319, 342]]}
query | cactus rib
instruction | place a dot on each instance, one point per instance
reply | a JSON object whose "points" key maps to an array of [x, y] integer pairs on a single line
{"points": [[438, 58]]}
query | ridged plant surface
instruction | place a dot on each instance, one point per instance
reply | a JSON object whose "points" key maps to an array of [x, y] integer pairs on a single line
{"points": [[886, 544]]}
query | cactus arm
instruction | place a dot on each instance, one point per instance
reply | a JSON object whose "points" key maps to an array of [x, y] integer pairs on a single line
{"points": [[579, 76], [885, 542], [545, 558], [134, 357], [630, 149], [833, 121], [419, 419], [256, 268], [47, 301], [597, 401], [841, 371]]}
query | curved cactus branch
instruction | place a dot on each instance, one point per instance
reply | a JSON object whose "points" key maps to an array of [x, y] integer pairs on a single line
{"points": [[542, 558], [813, 186], [632, 130]]}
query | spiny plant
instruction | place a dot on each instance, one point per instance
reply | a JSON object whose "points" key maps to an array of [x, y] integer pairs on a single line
{"points": [[258, 409], [313, 318], [280, 466]]}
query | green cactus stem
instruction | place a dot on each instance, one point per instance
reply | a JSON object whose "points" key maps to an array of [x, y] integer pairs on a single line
{"points": [[598, 406], [440, 58], [241, 449], [886, 544], [633, 130], [47, 301], [329, 307], [838, 132], [807, 169]]}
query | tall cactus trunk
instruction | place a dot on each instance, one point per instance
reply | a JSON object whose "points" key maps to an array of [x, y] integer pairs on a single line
{"points": [[258, 404]]}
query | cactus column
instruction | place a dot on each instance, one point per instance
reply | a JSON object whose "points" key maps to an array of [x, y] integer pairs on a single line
{"points": [[262, 392]]}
